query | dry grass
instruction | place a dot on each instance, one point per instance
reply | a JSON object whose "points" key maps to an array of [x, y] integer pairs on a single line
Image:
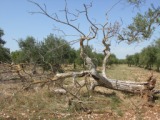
{"points": [[102, 104]]}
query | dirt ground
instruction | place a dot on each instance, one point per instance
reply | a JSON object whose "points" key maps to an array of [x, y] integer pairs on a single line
{"points": [[43, 103]]}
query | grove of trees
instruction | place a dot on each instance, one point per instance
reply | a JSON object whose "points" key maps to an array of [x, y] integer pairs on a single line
{"points": [[148, 58], [53, 52]]}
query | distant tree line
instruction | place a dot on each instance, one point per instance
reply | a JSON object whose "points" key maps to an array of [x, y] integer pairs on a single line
{"points": [[148, 58], [50, 53]]}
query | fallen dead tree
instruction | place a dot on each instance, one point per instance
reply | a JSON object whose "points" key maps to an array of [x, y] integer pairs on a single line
{"points": [[145, 89], [108, 30]]}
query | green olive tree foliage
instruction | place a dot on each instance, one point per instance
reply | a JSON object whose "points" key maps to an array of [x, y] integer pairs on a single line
{"points": [[28, 50], [148, 57], [1, 34], [55, 51], [97, 57], [49, 53], [19, 56], [143, 25], [136, 3], [136, 59], [4, 52], [157, 47], [52, 52], [158, 61], [129, 60], [112, 59]]}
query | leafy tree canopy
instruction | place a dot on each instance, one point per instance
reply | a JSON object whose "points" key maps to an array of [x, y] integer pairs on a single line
{"points": [[2, 42], [4, 52], [143, 25]]}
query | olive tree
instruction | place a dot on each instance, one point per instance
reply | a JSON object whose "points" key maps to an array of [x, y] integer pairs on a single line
{"points": [[54, 52], [4, 52], [157, 47]]}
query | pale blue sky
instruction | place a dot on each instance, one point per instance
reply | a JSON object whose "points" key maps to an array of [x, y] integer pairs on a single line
{"points": [[17, 22]]}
